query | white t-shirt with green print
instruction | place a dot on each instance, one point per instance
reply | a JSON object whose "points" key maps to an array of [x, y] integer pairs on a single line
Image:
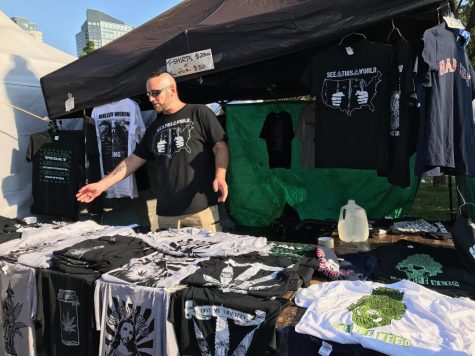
{"points": [[403, 318]]}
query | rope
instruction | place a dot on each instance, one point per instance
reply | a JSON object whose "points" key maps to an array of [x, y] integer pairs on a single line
{"points": [[25, 111]]}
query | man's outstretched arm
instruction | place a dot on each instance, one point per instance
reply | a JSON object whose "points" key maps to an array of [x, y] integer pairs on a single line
{"points": [[125, 168]]}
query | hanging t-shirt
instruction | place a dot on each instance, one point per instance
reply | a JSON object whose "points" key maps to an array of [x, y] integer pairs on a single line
{"points": [[58, 172], [305, 133], [182, 146], [209, 322], [438, 268], [351, 86], [446, 142], [396, 319], [66, 314], [278, 133], [155, 270], [398, 169], [132, 320], [18, 299], [259, 276], [119, 126]]}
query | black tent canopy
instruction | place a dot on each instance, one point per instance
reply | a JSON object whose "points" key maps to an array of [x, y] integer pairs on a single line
{"points": [[259, 47]]}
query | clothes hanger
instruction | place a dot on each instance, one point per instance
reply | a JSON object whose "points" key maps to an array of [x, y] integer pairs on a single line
{"points": [[395, 28], [465, 203], [349, 35], [53, 126], [444, 11]]}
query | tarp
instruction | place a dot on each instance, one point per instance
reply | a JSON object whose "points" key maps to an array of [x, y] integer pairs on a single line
{"points": [[258, 193], [23, 60], [259, 48]]}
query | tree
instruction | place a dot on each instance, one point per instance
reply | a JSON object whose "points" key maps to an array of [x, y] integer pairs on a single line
{"points": [[88, 49], [465, 11]]}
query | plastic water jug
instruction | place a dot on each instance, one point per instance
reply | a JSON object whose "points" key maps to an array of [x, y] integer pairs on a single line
{"points": [[353, 223]]}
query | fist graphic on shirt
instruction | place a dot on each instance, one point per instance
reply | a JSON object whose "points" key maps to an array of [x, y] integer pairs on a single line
{"points": [[179, 142], [161, 146], [362, 97], [336, 98]]}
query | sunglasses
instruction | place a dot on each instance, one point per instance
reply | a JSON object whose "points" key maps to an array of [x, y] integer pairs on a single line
{"points": [[156, 92]]}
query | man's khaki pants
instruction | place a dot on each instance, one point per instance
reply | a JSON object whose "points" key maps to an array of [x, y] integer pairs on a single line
{"points": [[206, 219]]}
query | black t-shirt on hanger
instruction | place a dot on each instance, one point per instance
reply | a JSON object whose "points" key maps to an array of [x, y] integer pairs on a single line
{"points": [[58, 172], [399, 135], [351, 84], [446, 142], [278, 133]]}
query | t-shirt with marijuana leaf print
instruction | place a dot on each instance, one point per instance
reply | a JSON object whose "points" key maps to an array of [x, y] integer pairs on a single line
{"points": [[400, 319], [18, 299], [259, 276], [210, 322]]}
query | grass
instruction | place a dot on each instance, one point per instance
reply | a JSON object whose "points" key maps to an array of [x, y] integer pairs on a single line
{"points": [[432, 201]]}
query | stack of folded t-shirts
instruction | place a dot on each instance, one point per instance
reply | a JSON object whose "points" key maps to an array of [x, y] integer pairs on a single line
{"points": [[99, 255]]}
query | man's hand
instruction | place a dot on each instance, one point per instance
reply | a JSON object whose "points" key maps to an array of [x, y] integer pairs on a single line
{"points": [[220, 150], [221, 185], [89, 192]]}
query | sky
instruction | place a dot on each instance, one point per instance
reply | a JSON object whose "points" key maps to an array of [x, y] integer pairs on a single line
{"points": [[60, 20]]}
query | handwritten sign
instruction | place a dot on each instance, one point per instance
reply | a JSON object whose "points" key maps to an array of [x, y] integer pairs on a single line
{"points": [[69, 103], [454, 23], [190, 63]]}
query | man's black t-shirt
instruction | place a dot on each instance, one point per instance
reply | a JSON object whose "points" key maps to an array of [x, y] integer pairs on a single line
{"points": [[446, 142], [182, 146], [58, 172], [352, 105], [278, 133]]}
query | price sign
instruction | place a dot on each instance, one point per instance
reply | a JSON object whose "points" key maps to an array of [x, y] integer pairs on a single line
{"points": [[69, 103], [190, 63]]}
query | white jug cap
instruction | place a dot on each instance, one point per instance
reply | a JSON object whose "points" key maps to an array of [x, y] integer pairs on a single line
{"points": [[30, 219]]}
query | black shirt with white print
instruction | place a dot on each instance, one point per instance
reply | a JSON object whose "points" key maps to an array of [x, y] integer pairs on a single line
{"points": [[182, 146], [209, 322], [351, 85], [259, 276]]}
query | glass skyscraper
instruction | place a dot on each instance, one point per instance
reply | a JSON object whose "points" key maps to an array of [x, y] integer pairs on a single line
{"points": [[100, 29], [28, 26]]}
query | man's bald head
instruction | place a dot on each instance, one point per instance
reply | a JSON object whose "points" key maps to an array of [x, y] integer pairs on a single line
{"points": [[163, 94], [166, 77]]}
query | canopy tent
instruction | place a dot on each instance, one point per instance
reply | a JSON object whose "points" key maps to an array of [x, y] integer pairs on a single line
{"points": [[23, 60], [259, 48]]}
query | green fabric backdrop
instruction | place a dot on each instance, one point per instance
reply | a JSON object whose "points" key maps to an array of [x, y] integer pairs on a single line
{"points": [[257, 194]]}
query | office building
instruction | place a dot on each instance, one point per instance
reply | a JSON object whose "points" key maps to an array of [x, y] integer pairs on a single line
{"points": [[100, 29], [28, 26]]}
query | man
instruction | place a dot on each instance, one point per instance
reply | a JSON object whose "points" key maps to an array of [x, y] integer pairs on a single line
{"points": [[188, 146]]}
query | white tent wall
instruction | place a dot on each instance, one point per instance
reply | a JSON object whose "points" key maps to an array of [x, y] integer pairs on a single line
{"points": [[23, 60]]}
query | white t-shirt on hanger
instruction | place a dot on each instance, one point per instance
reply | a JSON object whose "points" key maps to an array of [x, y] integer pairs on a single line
{"points": [[119, 127]]}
